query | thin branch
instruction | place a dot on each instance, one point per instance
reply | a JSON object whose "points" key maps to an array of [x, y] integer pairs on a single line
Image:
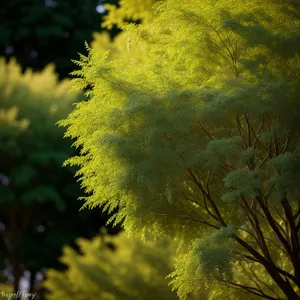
{"points": [[191, 218], [205, 130], [250, 289], [208, 196]]}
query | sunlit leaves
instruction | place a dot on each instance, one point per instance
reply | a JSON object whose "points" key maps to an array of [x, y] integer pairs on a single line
{"points": [[182, 139], [135, 270]]}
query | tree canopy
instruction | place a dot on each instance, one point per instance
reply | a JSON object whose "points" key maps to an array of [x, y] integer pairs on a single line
{"points": [[31, 152], [199, 138]]}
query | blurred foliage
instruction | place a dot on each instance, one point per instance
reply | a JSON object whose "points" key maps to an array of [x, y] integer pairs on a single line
{"points": [[128, 11], [122, 267], [120, 48], [134, 270], [197, 136], [31, 146], [123, 46], [38, 206], [37, 32], [6, 291]]}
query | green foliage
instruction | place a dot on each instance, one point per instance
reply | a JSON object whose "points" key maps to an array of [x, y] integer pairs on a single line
{"points": [[209, 258], [123, 46], [31, 104], [9, 118], [135, 270], [200, 134], [32, 182]]}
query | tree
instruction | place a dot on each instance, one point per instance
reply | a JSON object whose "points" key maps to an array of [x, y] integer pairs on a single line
{"points": [[37, 196], [31, 152], [200, 139]]}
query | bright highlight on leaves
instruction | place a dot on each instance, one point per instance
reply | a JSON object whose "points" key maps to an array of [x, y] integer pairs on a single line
{"points": [[200, 133], [134, 270]]}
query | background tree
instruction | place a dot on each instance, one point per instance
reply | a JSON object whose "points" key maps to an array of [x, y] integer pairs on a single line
{"points": [[201, 140], [133, 270], [118, 267], [28, 28], [38, 207]]}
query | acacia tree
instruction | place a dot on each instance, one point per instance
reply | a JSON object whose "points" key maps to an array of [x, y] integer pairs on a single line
{"points": [[200, 139]]}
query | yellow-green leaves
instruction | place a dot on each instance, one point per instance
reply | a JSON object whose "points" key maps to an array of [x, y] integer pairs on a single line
{"points": [[167, 136], [134, 270], [128, 11]]}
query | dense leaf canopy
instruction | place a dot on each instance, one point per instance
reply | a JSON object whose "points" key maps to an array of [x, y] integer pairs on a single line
{"points": [[199, 138]]}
